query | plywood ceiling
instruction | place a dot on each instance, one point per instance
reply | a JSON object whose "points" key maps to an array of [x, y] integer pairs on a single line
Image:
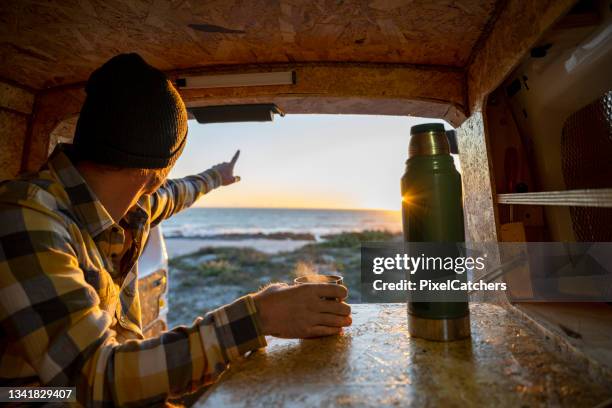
{"points": [[53, 42]]}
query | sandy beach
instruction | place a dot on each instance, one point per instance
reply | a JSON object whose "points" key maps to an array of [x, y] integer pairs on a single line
{"points": [[182, 246]]}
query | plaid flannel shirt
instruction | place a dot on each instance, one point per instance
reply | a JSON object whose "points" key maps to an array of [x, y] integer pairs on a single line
{"points": [[69, 307]]}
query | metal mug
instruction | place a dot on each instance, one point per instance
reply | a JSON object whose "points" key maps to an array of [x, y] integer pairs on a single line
{"points": [[316, 278]]}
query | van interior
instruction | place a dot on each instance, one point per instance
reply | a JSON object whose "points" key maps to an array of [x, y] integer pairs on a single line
{"points": [[525, 84]]}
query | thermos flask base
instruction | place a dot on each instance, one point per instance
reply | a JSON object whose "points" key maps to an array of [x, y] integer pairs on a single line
{"points": [[439, 329]]}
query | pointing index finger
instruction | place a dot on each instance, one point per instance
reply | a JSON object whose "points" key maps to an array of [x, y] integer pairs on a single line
{"points": [[235, 158]]}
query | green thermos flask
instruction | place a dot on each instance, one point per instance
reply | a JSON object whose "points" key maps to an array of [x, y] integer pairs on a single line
{"points": [[432, 211]]}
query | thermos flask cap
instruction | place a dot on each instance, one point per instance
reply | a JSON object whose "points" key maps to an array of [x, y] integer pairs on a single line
{"points": [[428, 139], [427, 127]]}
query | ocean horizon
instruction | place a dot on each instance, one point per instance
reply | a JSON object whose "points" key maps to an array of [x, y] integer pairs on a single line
{"points": [[215, 222]]}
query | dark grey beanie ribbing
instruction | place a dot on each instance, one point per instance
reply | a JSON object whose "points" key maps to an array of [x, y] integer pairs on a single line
{"points": [[132, 116]]}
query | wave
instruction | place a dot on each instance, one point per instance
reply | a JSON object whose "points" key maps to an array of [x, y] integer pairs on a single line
{"points": [[200, 223], [284, 236]]}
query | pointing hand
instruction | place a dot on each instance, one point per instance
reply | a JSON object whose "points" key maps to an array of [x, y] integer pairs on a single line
{"points": [[226, 170]]}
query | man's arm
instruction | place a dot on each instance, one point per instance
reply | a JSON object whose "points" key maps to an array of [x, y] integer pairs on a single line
{"points": [[52, 314], [178, 194]]}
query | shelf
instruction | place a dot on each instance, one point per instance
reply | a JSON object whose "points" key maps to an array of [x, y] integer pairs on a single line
{"points": [[571, 198]]}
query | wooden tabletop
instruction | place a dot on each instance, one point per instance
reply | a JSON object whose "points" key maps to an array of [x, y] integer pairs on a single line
{"points": [[375, 363]]}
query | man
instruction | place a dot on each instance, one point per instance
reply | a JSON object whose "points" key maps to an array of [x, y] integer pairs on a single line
{"points": [[70, 237]]}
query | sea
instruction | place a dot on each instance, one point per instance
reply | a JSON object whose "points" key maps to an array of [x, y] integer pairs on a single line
{"points": [[218, 222]]}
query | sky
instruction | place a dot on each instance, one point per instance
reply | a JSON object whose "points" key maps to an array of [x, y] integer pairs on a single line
{"points": [[305, 161]]}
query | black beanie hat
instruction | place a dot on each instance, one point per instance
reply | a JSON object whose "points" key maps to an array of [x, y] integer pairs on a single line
{"points": [[132, 116]]}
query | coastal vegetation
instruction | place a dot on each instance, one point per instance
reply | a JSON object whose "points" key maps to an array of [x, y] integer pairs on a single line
{"points": [[213, 276]]}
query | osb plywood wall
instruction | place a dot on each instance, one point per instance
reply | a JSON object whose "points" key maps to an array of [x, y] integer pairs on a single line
{"points": [[15, 109], [13, 129], [477, 181], [52, 108]]}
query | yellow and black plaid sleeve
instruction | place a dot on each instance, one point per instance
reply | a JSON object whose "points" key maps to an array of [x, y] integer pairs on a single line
{"points": [[50, 317], [183, 359], [177, 194]]}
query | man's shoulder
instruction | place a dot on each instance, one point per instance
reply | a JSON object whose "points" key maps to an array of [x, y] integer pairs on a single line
{"points": [[38, 193]]}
